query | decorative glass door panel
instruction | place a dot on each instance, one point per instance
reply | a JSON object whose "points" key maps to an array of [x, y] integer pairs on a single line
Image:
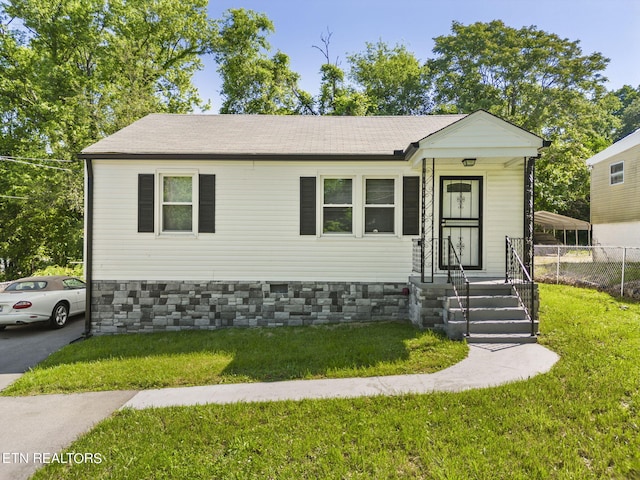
{"points": [[461, 219]]}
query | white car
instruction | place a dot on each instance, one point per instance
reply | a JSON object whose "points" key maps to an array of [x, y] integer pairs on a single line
{"points": [[38, 299]]}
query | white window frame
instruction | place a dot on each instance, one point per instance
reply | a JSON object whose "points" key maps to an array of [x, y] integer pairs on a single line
{"points": [[393, 206], [161, 175], [614, 176], [351, 205], [358, 205]]}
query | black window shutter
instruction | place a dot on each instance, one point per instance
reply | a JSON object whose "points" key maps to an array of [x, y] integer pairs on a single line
{"points": [[411, 206], [146, 214], [307, 205], [207, 204]]}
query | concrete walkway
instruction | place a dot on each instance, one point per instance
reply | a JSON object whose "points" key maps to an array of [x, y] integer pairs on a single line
{"points": [[37, 426], [485, 366]]}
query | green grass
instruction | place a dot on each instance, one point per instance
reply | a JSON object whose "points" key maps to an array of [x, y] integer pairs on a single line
{"points": [[579, 421], [133, 362], [601, 274]]}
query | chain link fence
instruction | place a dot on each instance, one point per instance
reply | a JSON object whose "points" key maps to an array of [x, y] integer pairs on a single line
{"points": [[615, 270]]}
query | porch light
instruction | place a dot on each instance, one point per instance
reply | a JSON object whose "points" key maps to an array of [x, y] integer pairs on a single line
{"points": [[469, 162]]}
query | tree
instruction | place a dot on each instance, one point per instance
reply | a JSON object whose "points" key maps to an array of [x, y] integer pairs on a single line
{"points": [[101, 65], [393, 79], [252, 81], [540, 82], [338, 98], [629, 111], [72, 72]]}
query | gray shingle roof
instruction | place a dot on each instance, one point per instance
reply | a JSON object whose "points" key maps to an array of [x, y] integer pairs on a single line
{"points": [[268, 135]]}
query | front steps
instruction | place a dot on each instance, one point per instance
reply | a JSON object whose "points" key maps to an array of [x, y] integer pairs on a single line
{"points": [[495, 316]]}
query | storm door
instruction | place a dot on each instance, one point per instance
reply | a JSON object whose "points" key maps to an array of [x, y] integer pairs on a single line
{"points": [[461, 219]]}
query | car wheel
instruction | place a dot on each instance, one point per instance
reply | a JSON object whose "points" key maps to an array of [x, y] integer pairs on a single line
{"points": [[59, 315]]}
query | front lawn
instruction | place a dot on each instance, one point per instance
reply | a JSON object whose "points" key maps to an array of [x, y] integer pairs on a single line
{"points": [[156, 360], [579, 421]]}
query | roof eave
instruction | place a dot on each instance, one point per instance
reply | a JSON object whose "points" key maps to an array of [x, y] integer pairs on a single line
{"points": [[395, 156]]}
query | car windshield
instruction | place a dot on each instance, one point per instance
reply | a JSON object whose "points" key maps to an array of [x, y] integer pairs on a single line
{"points": [[73, 284], [25, 286]]}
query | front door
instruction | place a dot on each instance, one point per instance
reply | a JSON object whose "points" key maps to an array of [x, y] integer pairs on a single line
{"points": [[461, 219]]}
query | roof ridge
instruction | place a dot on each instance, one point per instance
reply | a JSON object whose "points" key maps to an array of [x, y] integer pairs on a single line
{"points": [[274, 115]]}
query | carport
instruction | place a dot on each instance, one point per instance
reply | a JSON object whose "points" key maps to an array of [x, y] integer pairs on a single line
{"points": [[554, 221]]}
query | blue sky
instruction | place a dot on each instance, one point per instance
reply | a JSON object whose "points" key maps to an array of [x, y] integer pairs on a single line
{"points": [[611, 27]]}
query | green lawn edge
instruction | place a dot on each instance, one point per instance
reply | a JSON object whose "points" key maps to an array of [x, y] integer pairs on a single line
{"points": [[580, 420], [190, 358]]}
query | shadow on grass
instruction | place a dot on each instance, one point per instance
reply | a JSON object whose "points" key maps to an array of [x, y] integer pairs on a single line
{"points": [[264, 354], [298, 352]]}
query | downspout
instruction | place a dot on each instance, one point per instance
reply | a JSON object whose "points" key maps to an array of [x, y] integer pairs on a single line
{"points": [[423, 220], [88, 254]]}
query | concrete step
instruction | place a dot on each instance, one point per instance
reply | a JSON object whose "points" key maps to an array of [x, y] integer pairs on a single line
{"points": [[459, 327], [477, 314], [485, 301], [490, 289], [502, 338], [492, 301]]}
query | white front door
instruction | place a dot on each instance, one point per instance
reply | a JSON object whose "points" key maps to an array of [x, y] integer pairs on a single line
{"points": [[461, 220]]}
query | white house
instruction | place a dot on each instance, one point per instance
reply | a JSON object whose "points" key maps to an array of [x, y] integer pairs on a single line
{"points": [[615, 190], [204, 221]]}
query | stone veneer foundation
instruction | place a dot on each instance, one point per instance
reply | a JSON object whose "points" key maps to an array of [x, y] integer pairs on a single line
{"points": [[150, 306]]}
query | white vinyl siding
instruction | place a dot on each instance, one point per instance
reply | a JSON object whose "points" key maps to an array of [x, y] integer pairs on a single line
{"points": [[257, 228], [481, 137], [503, 214], [257, 224], [503, 207]]}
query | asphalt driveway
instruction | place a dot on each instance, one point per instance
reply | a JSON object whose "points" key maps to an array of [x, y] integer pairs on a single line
{"points": [[22, 347]]}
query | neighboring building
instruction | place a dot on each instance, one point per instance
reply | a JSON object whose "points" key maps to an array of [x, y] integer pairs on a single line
{"points": [[205, 221], [615, 191]]}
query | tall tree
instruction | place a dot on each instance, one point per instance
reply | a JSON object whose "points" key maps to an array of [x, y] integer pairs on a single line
{"points": [[70, 73], [536, 80], [337, 97], [392, 78], [100, 65], [252, 80]]}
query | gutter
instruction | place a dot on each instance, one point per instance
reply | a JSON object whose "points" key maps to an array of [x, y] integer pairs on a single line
{"points": [[88, 255], [396, 155]]}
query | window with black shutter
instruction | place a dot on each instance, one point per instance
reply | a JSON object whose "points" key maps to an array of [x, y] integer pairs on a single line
{"points": [[307, 205], [177, 209], [207, 204], [146, 194], [411, 206]]}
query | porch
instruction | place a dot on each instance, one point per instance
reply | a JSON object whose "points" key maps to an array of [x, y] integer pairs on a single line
{"points": [[480, 309]]}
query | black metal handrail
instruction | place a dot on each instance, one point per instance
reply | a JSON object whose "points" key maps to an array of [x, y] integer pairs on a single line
{"points": [[518, 276], [458, 278]]}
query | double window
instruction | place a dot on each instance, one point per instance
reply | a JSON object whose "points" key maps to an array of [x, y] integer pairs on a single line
{"points": [[378, 207], [359, 205], [616, 173]]}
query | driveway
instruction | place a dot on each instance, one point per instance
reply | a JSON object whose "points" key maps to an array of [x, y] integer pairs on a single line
{"points": [[22, 347]]}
